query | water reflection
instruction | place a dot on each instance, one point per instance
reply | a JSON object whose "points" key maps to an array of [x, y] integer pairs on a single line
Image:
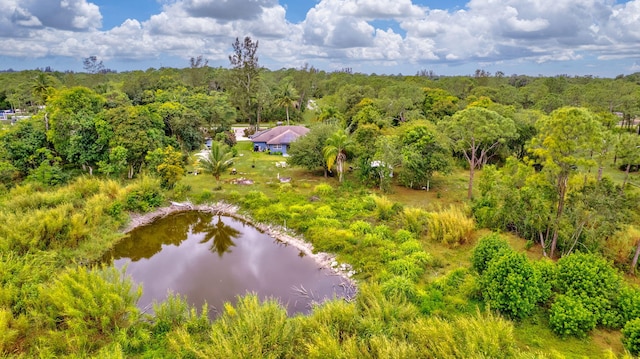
{"points": [[213, 260], [221, 233]]}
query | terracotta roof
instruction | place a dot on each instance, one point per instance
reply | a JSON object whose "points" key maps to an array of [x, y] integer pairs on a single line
{"points": [[280, 135]]}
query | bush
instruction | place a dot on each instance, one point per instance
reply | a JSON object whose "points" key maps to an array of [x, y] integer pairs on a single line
{"points": [[631, 336], [547, 273], [477, 336], [511, 285], [568, 316], [399, 287], [323, 189], [144, 195], [591, 279], [451, 226], [384, 207], [88, 305], [256, 199], [415, 220], [628, 303], [489, 247]]}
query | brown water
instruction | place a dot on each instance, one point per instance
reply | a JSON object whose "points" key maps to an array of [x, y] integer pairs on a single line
{"points": [[214, 259]]}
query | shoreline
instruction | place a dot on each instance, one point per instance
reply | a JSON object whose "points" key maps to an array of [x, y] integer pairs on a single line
{"points": [[324, 260]]}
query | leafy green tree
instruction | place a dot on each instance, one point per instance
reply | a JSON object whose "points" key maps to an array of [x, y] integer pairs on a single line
{"points": [[116, 162], [335, 151], [438, 104], [306, 151], [217, 160], [628, 153], [78, 132], [424, 152], [330, 114], [476, 132], [167, 163], [563, 143], [139, 130], [386, 158], [20, 145]]}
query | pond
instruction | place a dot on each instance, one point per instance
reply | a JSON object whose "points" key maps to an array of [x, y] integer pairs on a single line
{"points": [[213, 259]]}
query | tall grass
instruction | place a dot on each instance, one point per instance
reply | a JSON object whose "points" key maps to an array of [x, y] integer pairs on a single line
{"points": [[450, 226]]}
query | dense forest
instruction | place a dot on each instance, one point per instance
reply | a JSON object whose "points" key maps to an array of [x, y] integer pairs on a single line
{"points": [[500, 221]]}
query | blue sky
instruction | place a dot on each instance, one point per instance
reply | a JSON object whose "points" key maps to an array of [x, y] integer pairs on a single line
{"points": [[574, 37]]}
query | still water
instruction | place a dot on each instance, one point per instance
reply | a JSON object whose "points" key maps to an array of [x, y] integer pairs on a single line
{"points": [[213, 259]]}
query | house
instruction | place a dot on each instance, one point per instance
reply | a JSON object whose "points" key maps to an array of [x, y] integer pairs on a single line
{"points": [[277, 139]]}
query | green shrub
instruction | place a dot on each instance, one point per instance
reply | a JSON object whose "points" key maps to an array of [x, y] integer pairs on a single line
{"points": [[415, 220], [594, 281], [402, 235], [399, 287], [547, 274], [411, 246], [256, 199], [476, 336], [360, 227], [144, 195], [206, 196], [384, 207], [323, 189], [451, 226], [631, 336], [88, 306], [325, 211], [569, 317], [488, 248], [511, 286], [628, 303], [327, 239], [252, 330], [407, 268]]}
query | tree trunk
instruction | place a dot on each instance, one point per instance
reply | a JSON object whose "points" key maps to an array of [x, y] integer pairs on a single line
{"points": [[634, 262], [600, 170], [287, 109], [626, 177], [562, 190], [472, 167]]}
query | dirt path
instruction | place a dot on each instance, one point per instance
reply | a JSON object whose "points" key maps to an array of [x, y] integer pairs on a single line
{"points": [[325, 260]]}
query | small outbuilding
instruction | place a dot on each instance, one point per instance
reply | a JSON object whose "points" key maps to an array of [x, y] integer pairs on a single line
{"points": [[277, 139]]}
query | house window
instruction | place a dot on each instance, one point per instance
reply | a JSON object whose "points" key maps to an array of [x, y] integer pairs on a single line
{"points": [[276, 147]]}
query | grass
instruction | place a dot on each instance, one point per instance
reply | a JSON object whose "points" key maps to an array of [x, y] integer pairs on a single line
{"points": [[532, 334]]}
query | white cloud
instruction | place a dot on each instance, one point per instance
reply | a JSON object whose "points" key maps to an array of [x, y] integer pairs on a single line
{"points": [[338, 32], [227, 10]]}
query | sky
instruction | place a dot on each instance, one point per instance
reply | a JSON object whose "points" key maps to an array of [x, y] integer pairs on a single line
{"points": [[530, 37]]}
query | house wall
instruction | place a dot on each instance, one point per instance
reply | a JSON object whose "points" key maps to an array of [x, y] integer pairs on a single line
{"points": [[278, 148], [261, 146]]}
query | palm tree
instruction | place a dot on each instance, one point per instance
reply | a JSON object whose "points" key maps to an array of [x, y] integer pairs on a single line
{"points": [[335, 151], [330, 114], [217, 160], [287, 98], [41, 89]]}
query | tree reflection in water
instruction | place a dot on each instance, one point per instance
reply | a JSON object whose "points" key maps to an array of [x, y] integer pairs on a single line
{"points": [[221, 234]]}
